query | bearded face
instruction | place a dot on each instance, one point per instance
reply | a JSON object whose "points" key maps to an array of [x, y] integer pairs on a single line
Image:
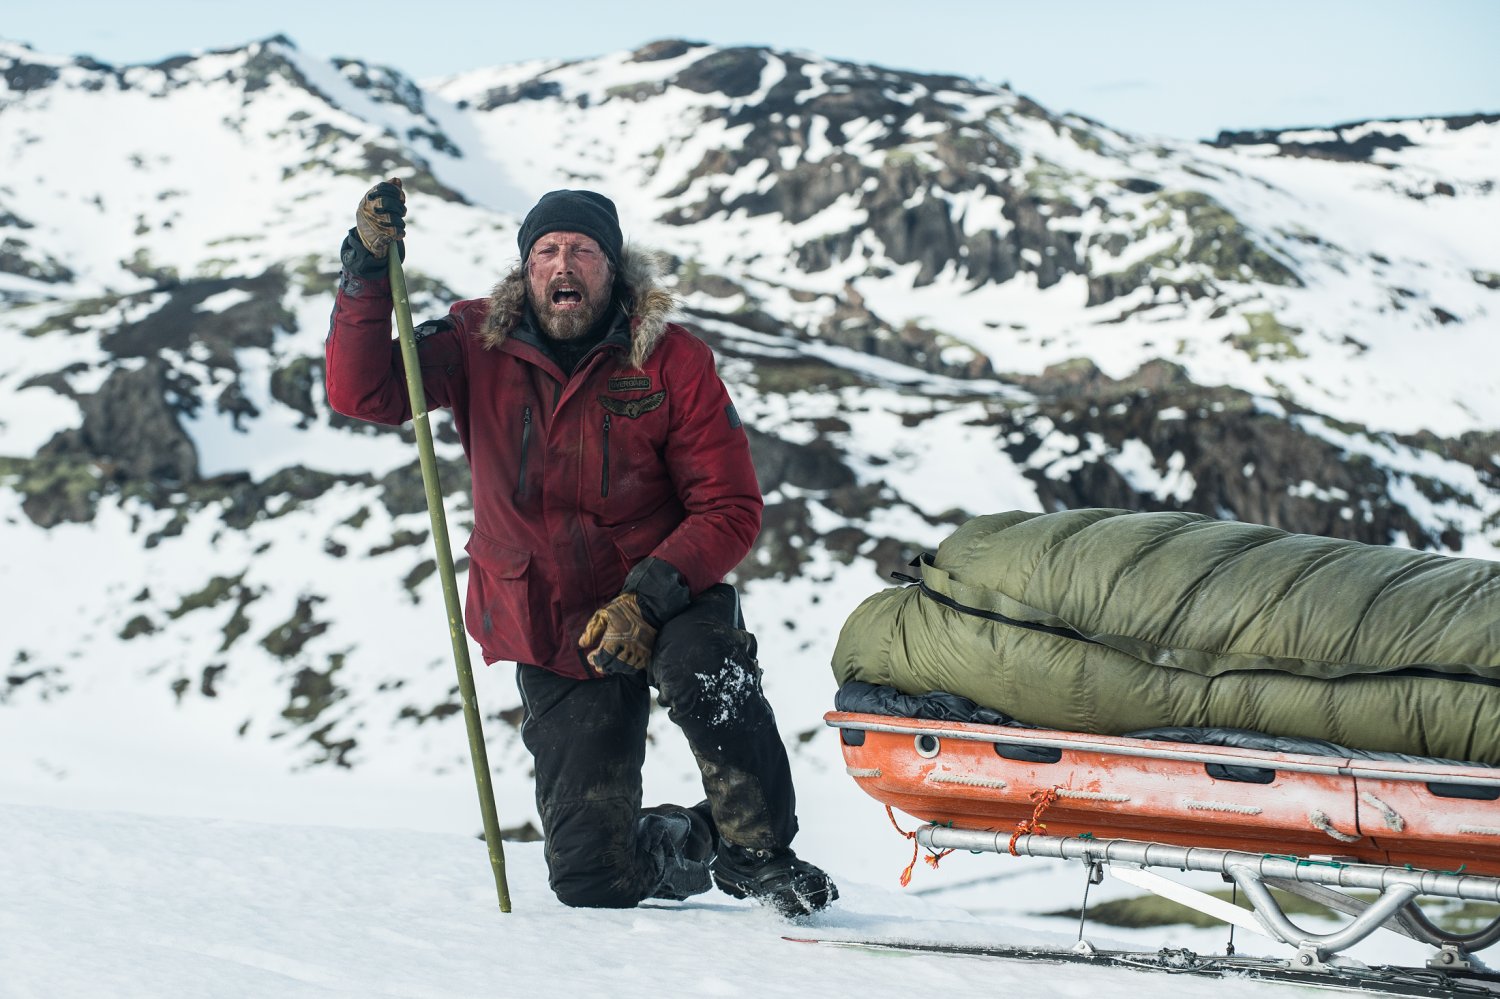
{"points": [[568, 280]]}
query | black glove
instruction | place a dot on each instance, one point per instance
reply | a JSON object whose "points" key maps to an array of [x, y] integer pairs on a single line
{"points": [[378, 220]]}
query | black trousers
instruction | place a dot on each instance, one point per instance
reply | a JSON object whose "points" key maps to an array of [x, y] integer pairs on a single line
{"points": [[588, 739]]}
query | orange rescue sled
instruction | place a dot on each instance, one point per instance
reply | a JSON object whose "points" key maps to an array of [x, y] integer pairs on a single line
{"points": [[1303, 823]]}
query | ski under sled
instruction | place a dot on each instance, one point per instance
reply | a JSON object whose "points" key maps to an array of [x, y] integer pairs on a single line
{"points": [[1313, 826]]}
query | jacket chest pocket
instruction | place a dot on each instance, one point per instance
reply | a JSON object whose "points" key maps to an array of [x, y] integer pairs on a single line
{"points": [[622, 422]]}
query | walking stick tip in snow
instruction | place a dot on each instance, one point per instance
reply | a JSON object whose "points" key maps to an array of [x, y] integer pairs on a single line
{"points": [[444, 553]]}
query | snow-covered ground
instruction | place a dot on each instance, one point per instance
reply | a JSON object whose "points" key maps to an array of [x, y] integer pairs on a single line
{"points": [[108, 904]]}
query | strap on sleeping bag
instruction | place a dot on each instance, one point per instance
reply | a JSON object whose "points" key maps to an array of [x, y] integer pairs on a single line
{"points": [[992, 605]]}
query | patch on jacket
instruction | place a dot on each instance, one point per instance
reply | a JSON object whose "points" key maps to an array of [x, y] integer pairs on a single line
{"points": [[635, 383], [430, 327], [632, 408], [734, 416]]}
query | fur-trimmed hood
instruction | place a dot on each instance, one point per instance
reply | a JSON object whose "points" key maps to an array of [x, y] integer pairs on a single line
{"points": [[637, 285]]}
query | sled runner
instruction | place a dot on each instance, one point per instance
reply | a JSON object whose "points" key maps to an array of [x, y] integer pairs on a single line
{"points": [[1306, 824]]}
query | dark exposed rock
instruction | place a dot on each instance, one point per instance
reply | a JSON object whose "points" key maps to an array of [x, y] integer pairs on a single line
{"points": [[1215, 240], [286, 640], [293, 383], [784, 543], [18, 258], [417, 576], [814, 465], [300, 484], [401, 539], [58, 381], [383, 84], [526, 832], [667, 48], [179, 325], [732, 72], [216, 591], [266, 62], [335, 751], [130, 431], [24, 77], [136, 626], [1245, 464], [1358, 148], [211, 676], [313, 692], [9, 220], [55, 489], [402, 490], [1336, 149], [437, 712], [853, 325], [531, 90], [906, 197]]}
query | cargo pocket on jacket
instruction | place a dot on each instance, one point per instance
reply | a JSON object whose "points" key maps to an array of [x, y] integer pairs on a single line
{"points": [[498, 610]]}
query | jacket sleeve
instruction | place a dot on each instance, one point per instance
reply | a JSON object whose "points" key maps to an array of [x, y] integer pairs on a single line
{"points": [[364, 373], [708, 459]]}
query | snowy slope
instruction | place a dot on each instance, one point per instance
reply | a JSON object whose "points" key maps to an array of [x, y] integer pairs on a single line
{"points": [[106, 903]]}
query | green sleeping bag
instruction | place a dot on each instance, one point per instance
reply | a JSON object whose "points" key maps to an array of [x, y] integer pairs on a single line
{"points": [[1108, 622]]}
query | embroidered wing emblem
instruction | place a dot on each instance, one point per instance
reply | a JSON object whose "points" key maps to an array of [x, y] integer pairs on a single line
{"points": [[633, 408]]}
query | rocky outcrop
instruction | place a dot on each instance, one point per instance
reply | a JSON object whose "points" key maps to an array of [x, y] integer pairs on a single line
{"points": [[1351, 142], [1213, 451]]}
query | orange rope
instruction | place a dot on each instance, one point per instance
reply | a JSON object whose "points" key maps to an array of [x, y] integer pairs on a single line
{"points": [[932, 858], [1043, 797]]}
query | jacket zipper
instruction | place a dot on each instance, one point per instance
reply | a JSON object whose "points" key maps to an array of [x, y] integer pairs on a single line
{"points": [[525, 446], [604, 476]]}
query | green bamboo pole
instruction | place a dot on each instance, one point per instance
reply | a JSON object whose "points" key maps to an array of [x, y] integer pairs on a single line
{"points": [[460, 641]]}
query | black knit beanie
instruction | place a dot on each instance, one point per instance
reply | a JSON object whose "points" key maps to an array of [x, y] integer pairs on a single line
{"points": [[584, 212]]}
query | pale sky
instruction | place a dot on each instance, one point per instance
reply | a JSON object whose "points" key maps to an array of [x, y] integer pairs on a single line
{"points": [[1183, 68]]}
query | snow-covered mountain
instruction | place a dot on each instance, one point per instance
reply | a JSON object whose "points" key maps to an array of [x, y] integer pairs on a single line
{"points": [[932, 298]]}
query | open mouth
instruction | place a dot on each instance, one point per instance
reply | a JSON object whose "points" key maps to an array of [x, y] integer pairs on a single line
{"points": [[565, 296]]}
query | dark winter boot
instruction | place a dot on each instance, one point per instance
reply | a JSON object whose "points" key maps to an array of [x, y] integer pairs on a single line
{"points": [[776, 878], [681, 843]]}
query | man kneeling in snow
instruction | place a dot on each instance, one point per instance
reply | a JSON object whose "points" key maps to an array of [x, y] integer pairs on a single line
{"points": [[613, 490]]}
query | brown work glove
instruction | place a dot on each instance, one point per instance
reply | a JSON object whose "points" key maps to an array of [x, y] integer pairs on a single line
{"points": [[379, 217], [620, 637]]}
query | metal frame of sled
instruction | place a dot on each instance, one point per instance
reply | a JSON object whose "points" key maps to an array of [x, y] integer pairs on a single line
{"points": [[1306, 825], [1394, 909]]}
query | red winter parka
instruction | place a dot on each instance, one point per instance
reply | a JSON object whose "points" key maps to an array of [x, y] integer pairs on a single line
{"points": [[576, 478]]}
